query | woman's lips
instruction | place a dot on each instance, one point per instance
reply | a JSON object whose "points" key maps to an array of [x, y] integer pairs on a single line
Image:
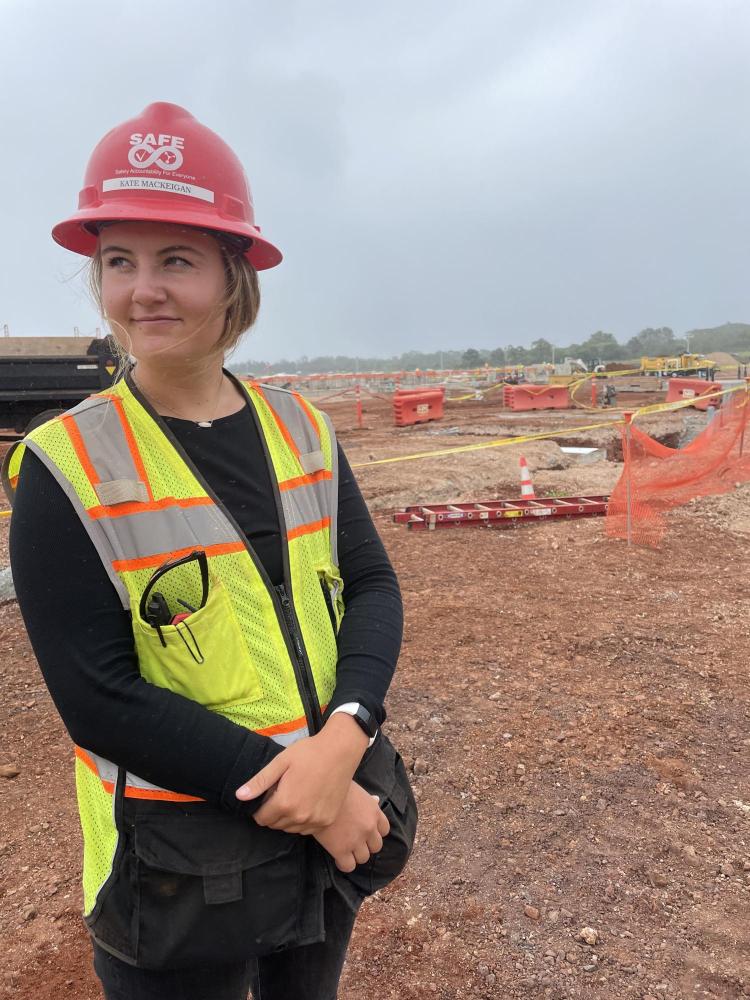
{"points": [[156, 320]]}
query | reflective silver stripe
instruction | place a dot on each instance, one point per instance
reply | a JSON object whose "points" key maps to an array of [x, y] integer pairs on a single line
{"points": [[135, 536], [105, 768], [294, 417], [86, 404], [104, 437], [108, 771], [305, 504], [324, 502], [100, 540], [331, 487], [312, 461], [286, 739]]}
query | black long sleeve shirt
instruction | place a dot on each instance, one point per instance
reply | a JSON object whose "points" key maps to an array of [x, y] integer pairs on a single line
{"points": [[83, 639]]}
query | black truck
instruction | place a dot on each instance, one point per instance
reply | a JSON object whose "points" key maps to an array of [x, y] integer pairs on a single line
{"points": [[35, 388]]}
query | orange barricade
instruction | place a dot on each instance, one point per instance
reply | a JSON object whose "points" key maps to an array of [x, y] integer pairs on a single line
{"points": [[536, 397], [417, 406], [656, 479], [687, 388]]}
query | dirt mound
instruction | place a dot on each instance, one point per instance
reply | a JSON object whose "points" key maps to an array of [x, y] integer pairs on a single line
{"points": [[493, 473], [724, 360], [730, 512]]}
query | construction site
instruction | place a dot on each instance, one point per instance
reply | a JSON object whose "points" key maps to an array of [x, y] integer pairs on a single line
{"points": [[571, 700]]}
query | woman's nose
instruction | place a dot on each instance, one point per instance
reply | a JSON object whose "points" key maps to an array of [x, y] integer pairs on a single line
{"points": [[148, 287]]}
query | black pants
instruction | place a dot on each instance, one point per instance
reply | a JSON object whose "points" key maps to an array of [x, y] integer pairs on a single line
{"points": [[310, 972]]}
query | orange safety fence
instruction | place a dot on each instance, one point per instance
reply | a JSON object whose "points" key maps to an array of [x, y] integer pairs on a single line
{"points": [[656, 479]]}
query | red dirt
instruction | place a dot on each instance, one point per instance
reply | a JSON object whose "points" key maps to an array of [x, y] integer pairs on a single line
{"points": [[577, 717]]}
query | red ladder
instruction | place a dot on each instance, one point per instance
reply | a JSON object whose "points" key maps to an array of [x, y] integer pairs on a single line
{"points": [[497, 513]]}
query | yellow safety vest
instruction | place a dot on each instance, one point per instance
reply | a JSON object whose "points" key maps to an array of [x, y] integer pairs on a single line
{"points": [[271, 652]]}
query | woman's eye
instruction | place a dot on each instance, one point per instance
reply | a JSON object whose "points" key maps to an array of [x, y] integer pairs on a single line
{"points": [[117, 262], [180, 262]]}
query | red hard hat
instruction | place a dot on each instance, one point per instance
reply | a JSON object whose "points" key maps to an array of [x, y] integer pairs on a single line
{"points": [[164, 166]]}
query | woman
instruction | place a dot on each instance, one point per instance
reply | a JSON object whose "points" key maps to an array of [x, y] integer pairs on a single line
{"points": [[181, 547]]}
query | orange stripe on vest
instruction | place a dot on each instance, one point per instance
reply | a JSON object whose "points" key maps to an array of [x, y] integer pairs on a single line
{"points": [[287, 727], [308, 529], [129, 565], [124, 509], [308, 480], [76, 440]]}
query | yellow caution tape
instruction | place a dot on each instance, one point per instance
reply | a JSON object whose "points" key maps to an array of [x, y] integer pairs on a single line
{"points": [[499, 443], [542, 435]]}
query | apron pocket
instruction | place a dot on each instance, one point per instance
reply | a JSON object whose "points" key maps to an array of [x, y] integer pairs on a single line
{"points": [[213, 887]]}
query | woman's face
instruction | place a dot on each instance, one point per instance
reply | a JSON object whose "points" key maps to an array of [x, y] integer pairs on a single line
{"points": [[162, 290]]}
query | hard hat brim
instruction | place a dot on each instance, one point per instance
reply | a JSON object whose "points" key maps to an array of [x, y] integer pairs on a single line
{"points": [[78, 233]]}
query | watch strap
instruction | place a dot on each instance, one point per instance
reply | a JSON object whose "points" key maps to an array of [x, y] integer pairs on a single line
{"points": [[361, 716]]}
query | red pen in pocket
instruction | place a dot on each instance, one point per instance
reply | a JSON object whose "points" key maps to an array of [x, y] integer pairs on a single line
{"points": [[183, 614]]}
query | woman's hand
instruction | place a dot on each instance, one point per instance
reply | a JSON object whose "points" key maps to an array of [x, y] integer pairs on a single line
{"points": [[358, 830], [306, 784]]}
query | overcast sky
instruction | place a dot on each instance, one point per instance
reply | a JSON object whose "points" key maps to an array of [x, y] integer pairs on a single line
{"points": [[436, 174]]}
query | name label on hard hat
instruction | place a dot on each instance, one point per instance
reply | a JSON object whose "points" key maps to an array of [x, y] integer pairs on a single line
{"points": [[157, 184]]}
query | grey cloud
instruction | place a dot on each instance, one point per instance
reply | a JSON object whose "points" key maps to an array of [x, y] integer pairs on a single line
{"points": [[435, 175]]}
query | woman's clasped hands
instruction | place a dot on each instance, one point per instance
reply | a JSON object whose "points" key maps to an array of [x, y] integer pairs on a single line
{"points": [[308, 789]]}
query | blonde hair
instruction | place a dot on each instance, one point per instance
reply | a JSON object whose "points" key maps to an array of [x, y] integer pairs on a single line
{"points": [[242, 298]]}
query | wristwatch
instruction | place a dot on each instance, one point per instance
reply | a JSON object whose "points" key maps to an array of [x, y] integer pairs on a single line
{"points": [[364, 719]]}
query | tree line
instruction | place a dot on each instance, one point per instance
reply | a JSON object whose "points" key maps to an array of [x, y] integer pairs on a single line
{"points": [[601, 346]]}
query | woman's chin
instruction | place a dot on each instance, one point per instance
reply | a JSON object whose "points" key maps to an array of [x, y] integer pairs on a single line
{"points": [[165, 346]]}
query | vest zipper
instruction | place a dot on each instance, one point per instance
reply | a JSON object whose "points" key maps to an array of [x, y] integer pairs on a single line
{"points": [[285, 615], [305, 682]]}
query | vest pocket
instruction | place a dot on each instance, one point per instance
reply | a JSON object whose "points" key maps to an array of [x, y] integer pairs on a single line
{"points": [[197, 885], [214, 888], [382, 773], [203, 657]]}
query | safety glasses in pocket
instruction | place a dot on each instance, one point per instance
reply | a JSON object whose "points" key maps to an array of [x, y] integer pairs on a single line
{"points": [[201, 655]]}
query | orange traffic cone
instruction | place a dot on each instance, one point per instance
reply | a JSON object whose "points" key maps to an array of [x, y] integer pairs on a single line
{"points": [[527, 487]]}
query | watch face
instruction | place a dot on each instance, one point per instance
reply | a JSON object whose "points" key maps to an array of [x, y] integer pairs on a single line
{"points": [[366, 721]]}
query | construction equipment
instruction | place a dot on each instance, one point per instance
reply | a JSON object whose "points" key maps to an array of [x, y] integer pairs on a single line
{"points": [[571, 366], [35, 388], [684, 365], [498, 513]]}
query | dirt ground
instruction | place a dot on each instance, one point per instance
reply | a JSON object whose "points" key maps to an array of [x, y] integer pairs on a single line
{"points": [[576, 715]]}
